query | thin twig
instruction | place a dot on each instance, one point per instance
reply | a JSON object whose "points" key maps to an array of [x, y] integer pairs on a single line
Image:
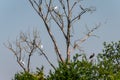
{"points": [[44, 54], [80, 41]]}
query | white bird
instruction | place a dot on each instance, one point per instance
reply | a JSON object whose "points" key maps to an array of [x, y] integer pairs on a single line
{"points": [[55, 8], [22, 62], [41, 46]]}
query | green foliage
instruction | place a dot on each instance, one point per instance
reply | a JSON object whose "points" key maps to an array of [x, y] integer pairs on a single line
{"points": [[80, 68], [111, 52], [24, 76], [107, 67], [75, 70], [39, 75], [109, 61]]}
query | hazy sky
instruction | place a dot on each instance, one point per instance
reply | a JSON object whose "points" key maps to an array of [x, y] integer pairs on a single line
{"points": [[17, 15]]}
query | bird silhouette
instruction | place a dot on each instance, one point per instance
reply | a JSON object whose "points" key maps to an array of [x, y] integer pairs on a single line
{"points": [[91, 56], [40, 3]]}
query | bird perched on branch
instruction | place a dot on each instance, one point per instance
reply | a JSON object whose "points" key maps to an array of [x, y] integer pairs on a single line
{"points": [[91, 56], [40, 3], [22, 62]]}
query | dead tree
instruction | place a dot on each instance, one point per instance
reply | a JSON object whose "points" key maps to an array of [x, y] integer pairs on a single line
{"points": [[63, 16], [24, 47]]}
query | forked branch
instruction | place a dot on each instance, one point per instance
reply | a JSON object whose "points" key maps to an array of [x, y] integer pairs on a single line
{"points": [[44, 18]]}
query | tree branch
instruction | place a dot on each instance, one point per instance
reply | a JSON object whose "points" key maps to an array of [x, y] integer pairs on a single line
{"points": [[48, 29], [81, 13], [44, 54], [9, 46], [53, 40], [80, 41]]}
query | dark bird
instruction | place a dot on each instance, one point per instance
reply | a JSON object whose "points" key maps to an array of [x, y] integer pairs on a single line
{"points": [[39, 6], [91, 56]]}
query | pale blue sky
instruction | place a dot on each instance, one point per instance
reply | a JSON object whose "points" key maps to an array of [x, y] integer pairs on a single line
{"points": [[17, 15]]}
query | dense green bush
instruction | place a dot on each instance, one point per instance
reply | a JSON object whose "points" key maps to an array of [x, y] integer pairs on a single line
{"points": [[107, 67], [39, 75], [24, 76], [75, 70], [109, 61]]}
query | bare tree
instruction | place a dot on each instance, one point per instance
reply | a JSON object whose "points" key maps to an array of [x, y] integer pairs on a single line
{"points": [[25, 46], [64, 17]]}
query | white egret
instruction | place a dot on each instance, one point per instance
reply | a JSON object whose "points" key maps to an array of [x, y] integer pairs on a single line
{"points": [[41, 46], [55, 8], [22, 62]]}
